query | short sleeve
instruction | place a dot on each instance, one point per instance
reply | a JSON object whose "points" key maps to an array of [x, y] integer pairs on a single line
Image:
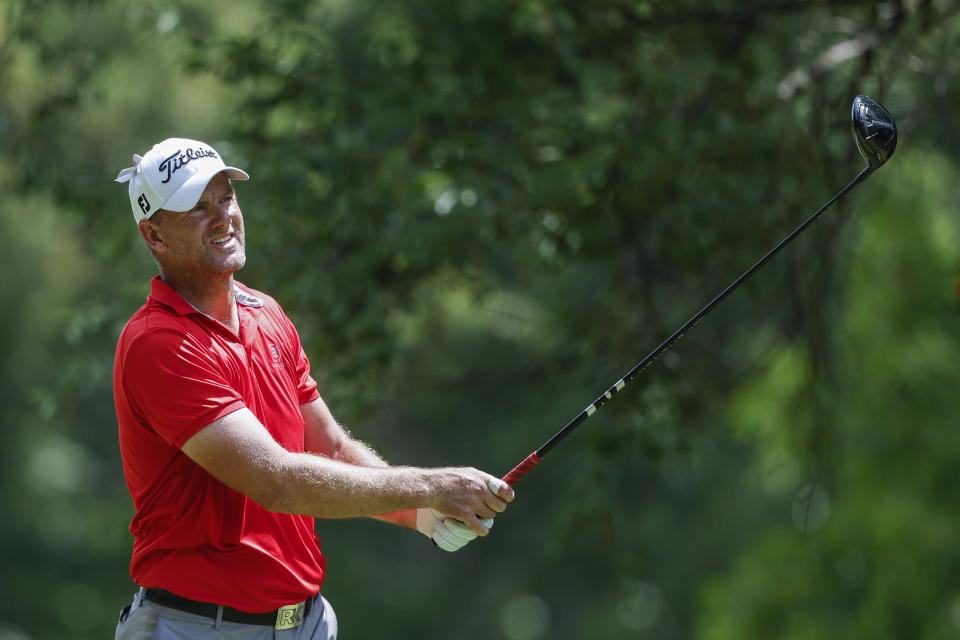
{"points": [[176, 385], [306, 385]]}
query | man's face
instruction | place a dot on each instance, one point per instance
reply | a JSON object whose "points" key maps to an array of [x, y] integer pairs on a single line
{"points": [[208, 239]]}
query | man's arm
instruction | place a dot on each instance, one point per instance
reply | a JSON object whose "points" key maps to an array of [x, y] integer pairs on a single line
{"points": [[237, 450], [325, 436]]}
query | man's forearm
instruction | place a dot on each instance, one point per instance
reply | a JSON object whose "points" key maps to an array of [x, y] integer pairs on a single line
{"points": [[406, 518], [316, 485], [359, 453]]}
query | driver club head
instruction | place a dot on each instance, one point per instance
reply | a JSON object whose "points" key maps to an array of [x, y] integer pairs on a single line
{"points": [[874, 130]]}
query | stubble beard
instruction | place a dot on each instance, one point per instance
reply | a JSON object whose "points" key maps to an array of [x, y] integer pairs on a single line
{"points": [[208, 264]]}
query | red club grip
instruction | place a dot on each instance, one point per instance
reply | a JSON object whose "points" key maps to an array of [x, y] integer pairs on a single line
{"points": [[521, 469]]}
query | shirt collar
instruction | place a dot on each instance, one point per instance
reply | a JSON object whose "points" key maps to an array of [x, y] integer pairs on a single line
{"points": [[163, 293], [244, 296]]}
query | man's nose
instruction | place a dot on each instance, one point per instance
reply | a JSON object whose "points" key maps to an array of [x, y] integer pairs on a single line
{"points": [[221, 215]]}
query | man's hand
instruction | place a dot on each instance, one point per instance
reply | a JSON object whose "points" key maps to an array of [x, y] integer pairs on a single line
{"points": [[468, 495], [449, 533]]}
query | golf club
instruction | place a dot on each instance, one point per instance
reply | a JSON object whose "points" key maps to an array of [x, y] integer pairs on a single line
{"points": [[875, 133]]}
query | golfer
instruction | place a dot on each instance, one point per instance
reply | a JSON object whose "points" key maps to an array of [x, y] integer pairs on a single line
{"points": [[229, 452]]}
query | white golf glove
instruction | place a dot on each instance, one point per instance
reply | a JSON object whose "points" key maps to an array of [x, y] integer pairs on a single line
{"points": [[449, 533]]}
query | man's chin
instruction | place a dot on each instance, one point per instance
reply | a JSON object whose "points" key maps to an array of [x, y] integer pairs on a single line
{"points": [[234, 267], [230, 264]]}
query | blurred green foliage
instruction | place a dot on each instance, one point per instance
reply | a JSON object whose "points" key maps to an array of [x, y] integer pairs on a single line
{"points": [[479, 215]]}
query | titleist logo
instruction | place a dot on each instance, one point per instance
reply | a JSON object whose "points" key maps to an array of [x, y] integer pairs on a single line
{"points": [[181, 158]]}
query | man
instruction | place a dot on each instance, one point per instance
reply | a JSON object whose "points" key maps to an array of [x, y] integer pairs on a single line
{"points": [[229, 451]]}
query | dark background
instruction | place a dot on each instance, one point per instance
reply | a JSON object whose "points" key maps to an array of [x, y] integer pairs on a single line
{"points": [[480, 215]]}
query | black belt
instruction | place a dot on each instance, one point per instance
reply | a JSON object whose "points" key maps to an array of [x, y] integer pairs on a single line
{"points": [[287, 617]]}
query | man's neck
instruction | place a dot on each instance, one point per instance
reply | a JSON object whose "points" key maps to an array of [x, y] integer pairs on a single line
{"points": [[213, 297]]}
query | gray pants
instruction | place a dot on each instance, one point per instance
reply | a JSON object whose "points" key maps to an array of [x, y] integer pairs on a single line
{"points": [[145, 620]]}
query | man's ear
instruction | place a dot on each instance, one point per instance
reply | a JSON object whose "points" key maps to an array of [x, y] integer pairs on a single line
{"points": [[150, 231]]}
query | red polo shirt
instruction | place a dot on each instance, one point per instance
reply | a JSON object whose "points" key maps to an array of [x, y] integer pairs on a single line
{"points": [[176, 371]]}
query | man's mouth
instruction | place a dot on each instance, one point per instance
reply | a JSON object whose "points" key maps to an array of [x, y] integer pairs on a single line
{"points": [[222, 241]]}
